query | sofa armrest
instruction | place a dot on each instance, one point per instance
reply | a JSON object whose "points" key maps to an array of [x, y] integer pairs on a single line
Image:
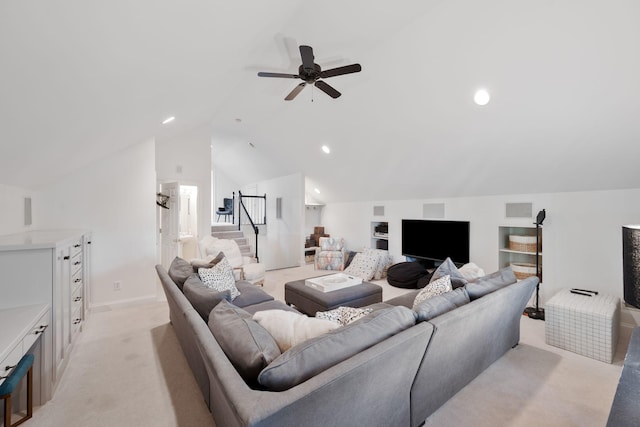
{"points": [[376, 381]]}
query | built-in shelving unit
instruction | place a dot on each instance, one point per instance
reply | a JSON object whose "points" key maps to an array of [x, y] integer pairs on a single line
{"points": [[380, 237], [508, 256]]}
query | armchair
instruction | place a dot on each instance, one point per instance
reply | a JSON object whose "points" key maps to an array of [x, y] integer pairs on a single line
{"points": [[226, 210], [331, 255], [244, 267]]}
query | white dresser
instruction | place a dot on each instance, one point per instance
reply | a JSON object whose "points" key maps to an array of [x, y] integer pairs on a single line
{"points": [[50, 267]]}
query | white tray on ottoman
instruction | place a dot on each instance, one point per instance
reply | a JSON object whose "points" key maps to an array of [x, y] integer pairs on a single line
{"points": [[582, 324], [332, 282]]}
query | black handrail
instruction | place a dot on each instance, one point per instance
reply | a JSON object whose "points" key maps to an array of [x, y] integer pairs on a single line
{"points": [[242, 207]]}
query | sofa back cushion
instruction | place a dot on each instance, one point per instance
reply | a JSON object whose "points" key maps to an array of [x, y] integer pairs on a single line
{"points": [[249, 347], [440, 304], [491, 282], [448, 268], [201, 297], [179, 271], [311, 357]]}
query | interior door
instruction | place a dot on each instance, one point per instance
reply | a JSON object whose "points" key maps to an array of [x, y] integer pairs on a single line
{"points": [[170, 223]]}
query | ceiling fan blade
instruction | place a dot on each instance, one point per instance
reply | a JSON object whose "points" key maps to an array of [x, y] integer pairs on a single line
{"points": [[347, 69], [327, 89], [296, 90], [306, 52], [282, 75]]}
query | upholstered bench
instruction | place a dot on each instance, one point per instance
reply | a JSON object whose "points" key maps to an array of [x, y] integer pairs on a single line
{"points": [[310, 301], [587, 325]]}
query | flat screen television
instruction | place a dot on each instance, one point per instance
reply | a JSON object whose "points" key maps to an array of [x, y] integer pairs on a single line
{"points": [[434, 240]]}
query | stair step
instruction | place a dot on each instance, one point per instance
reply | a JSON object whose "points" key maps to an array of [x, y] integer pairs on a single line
{"points": [[228, 234], [223, 227]]}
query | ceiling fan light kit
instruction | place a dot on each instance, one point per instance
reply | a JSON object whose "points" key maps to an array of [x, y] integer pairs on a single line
{"points": [[311, 73]]}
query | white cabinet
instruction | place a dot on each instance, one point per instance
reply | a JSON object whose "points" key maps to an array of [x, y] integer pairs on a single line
{"points": [[50, 267], [380, 235]]}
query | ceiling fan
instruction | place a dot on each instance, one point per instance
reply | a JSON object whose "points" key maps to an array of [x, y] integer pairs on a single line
{"points": [[311, 73]]}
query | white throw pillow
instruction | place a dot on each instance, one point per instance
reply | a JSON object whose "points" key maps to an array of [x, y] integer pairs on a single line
{"points": [[220, 278], [434, 288], [289, 329], [363, 266], [471, 271]]}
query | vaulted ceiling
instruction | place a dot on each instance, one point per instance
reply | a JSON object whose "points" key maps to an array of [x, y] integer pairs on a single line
{"points": [[82, 79]]}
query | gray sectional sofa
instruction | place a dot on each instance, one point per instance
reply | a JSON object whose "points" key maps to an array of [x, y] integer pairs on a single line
{"points": [[398, 380]]}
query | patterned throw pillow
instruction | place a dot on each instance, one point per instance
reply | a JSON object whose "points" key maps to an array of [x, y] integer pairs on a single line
{"points": [[363, 266], [434, 288], [220, 278], [343, 315]]}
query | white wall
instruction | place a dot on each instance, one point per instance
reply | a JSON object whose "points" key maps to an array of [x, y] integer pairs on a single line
{"points": [[187, 160], [582, 243], [283, 245], [115, 199], [312, 218], [12, 209]]}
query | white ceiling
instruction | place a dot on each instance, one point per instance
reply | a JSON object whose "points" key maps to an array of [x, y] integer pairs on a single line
{"points": [[81, 79]]}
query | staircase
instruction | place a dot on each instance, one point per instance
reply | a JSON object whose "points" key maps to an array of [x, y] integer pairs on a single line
{"points": [[231, 232]]}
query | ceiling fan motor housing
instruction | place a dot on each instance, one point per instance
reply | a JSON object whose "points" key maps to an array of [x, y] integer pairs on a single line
{"points": [[308, 75]]}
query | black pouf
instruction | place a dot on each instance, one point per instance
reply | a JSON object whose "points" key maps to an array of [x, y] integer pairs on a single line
{"points": [[406, 275]]}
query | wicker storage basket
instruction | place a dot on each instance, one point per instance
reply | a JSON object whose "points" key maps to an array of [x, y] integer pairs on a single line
{"points": [[522, 270], [522, 243]]}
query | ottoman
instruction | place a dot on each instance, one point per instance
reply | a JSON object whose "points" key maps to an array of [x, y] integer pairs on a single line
{"points": [[310, 301], [582, 324]]}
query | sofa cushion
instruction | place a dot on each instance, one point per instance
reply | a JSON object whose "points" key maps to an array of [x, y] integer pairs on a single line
{"points": [[344, 315], [448, 268], [220, 277], [491, 282], [179, 271], [201, 297], [289, 328], [434, 288], [248, 345], [250, 294], [310, 358], [440, 304], [363, 266]]}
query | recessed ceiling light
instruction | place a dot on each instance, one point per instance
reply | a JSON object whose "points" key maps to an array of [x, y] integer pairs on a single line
{"points": [[316, 190], [168, 120], [251, 144], [326, 149], [238, 120], [481, 97]]}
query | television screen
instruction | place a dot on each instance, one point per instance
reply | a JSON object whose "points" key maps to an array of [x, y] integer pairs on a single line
{"points": [[436, 240]]}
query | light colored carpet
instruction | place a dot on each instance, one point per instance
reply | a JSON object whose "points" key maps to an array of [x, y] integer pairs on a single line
{"points": [[127, 369]]}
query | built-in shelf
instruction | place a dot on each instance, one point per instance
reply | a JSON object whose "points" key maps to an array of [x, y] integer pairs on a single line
{"points": [[507, 256], [380, 238]]}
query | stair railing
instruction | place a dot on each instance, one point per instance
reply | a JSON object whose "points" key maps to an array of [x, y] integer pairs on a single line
{"points": [[255, 210]]}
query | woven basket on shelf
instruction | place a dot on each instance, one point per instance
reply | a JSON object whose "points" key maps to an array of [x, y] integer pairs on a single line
{"points": [[522, 270], [522, 243]]}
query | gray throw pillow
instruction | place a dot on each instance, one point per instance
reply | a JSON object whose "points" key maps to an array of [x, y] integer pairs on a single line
{"points": [[311, 357], [202, 298], [249, 347], [179, 271], [491, 282], [448, 268], [440, 304]]}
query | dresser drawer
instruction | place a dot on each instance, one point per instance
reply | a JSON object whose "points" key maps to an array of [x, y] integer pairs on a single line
{"points": [[41, 325], [76, 280], [9, 362], [76, 264], [76, 300], [76, 322], [76, 247]]}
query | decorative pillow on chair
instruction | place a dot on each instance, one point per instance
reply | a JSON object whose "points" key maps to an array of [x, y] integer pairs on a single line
{"points": [[448, 268], [209, 262], [434, 288], [289, 329], [343, 315], [363, 266], [220, 278]]}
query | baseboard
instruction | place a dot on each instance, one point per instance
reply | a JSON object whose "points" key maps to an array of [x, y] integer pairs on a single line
{"points": [[114, 305]]}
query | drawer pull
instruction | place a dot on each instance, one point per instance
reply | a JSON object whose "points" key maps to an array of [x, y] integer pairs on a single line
{"points": [[77, 246], [78, 280], [6, 368], [76, 263], [40, 329], [75, 322], [66, 257], [77, 299]]}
